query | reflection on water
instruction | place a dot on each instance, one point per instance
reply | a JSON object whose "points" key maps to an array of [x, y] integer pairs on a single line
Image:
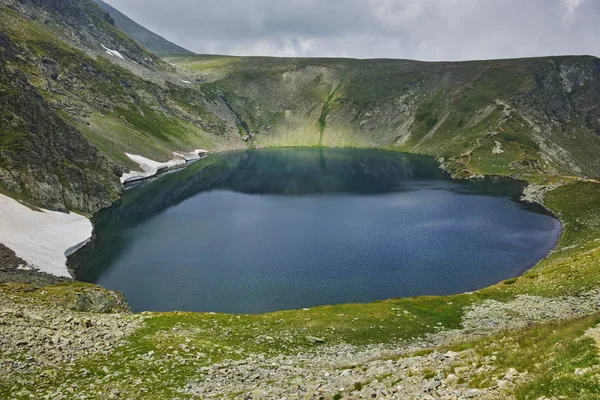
{"points": [[290, 228]]}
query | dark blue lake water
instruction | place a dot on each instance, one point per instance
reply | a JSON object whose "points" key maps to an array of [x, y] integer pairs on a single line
{"points": [[264, 230]]}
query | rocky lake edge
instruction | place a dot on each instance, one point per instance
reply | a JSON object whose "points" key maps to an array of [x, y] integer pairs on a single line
{"points": [[77, 253], [322, 365]]}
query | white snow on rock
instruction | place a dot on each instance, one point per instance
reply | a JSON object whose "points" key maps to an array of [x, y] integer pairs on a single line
{"points": [[112, 52], [194, 155], [149, 167], [42, 238], [497, 149]]}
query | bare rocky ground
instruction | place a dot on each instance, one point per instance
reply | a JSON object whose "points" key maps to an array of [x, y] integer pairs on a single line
{"points": [[39, 338], [47, 338], [536, 193], [393, 372]]}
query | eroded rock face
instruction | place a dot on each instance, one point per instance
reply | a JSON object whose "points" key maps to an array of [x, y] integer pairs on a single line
{"points": [[84, 24], [42, 158], [100, 301]]}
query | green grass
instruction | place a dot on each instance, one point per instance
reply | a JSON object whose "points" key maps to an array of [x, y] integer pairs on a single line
{"points": [[549, 354], [326, 108]]}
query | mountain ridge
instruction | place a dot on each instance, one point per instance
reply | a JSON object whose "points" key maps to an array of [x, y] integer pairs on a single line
{"points": [[522, 117], [150, 40]]}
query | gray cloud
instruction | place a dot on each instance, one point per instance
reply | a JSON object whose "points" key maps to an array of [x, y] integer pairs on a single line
{"points": [[414, 29]]}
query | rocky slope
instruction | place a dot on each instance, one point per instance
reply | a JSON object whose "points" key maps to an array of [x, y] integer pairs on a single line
{"points": [[498, 116], [42, 157], [51, 341], [69, 116], [150, 40], [508, 117]]}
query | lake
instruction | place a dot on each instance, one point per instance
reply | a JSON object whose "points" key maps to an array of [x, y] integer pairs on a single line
{"points": [[263, 230]]}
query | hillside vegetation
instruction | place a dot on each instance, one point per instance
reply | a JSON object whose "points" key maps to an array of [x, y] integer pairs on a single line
{"points": [[522, 118], [503, 117], [524, 338]]}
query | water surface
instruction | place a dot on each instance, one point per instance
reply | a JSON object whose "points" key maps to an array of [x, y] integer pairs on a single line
{"points": [[264, 230]]}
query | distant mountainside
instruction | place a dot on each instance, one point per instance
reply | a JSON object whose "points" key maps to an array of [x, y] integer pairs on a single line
{"points": [[492, 117], [150, 40], [76, 94]]}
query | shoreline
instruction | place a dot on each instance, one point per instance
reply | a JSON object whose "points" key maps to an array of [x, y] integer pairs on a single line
{"points": [[82, 255], [76, 254], [152, 169]]}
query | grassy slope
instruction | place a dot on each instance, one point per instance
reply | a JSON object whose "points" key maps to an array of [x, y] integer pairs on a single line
{"points": [[573, 268], [550, 353], [111, 107], [459, 111], [140, 116]]}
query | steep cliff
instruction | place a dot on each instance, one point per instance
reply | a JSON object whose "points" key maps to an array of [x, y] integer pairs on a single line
{"points": [[42, 158]]}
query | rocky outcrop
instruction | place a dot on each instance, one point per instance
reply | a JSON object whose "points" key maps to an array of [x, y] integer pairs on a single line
{"points": [[15, 270], [99, 301], [536, 193], [42, 158], [8, 258], [85, 25]]}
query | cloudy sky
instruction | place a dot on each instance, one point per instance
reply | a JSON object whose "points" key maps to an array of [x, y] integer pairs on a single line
{"points": [[414, 29]]}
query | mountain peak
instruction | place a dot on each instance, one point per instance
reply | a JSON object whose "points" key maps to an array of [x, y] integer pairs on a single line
{"points": [[150, 40]]}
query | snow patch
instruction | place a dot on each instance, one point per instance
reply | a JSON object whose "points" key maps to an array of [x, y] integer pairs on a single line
{"points": [[188, 82], [194, 155], [42, 238], [498, 148], [149, 167], [112, 52]]}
